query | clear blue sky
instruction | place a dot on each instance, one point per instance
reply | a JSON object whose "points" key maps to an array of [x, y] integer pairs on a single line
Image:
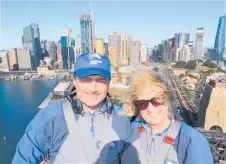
{"points": [[148, 21]]}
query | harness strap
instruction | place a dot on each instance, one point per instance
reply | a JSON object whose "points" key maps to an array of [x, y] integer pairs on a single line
{"points": [[168, 141], [73, 127]]}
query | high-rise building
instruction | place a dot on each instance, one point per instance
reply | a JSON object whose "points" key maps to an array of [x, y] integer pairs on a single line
{"points": [[86, 31], [184, 38], [170, 49], [113, 57], [167, 50], [114, 41], [176, 40], [72, 44], [13, 60], [129, 48], [59, 56], [135, 52], [154, 54], [37, 41], [125, 51], [4, 61], [211, 54], [143, 53], [99, 46], [160, 52], [24, 59], [64, 51], [72, 56], [43, 49], [183, 53], [106, 53], [31, 40], [192, 50], [78, 45], [219, 44], [28, 41], [199, 48], [51, 50], [67, 52]]}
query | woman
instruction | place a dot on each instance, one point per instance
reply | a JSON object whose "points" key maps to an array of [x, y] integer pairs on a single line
{"points": [[155, 136]]}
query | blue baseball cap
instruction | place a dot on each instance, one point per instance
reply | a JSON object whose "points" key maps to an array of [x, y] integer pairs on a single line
{"points": [[92, 64]]}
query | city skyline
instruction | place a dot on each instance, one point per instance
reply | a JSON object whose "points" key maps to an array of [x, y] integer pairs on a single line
{"points": [[152, 23]]}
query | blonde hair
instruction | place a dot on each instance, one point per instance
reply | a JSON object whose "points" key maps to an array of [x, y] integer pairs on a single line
{"points": [[141, 81]]}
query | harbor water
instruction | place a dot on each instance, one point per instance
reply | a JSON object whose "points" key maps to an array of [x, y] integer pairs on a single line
{"points": [[19, 100]]}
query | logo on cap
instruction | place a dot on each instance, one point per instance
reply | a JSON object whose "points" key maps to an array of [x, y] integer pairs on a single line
{"points": [[95, 59]]}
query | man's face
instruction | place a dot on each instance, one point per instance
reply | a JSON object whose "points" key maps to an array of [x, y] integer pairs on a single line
{"points": [[91, 90]]}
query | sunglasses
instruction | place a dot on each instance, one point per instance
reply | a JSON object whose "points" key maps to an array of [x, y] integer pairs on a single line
{"points": [[143, 104]]}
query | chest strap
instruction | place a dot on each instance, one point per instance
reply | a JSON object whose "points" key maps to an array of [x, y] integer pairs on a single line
{"points": [[167, 144]]}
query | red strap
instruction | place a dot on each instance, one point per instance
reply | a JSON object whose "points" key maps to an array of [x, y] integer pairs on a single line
{"points": [[140, 129], [168, 140]]}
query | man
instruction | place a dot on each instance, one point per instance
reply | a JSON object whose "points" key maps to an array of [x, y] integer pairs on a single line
{"points": [[86, 129]]}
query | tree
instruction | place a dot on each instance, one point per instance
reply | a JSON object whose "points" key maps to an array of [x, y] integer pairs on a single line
{"points": [[220, 70], [181, 64], [186, 73], [117, 102], [199, 60], [155, 69], [181, 76], [192, 76], [208, 63], [191, 64]]}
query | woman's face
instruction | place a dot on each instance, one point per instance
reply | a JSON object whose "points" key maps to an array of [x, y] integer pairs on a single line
{"points": [[156, 110]]}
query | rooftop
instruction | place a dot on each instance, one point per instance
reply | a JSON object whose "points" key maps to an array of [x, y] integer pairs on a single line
{"points": [[62, 87]]}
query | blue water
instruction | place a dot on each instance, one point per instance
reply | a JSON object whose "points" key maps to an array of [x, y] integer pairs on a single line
{"points": [[18, 105]]}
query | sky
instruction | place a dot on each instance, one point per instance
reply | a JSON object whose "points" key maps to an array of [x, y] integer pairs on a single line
{"points": [[146, 20]]}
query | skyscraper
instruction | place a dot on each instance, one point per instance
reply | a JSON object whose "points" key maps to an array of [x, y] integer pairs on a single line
{"points": [[51, 50], [191, 49], [24, 59], [67, 50], [13, 60], [59, 56], [106, 53], [99, 46], [37, 41], [168, 46], [176, 40], [4, 61], [78, 45], [184, 38], [113, 57], [135, 52], [199, 48], [143, 53], [183, 53], [125, 51], [219, 44], [86, 30], [64, 51], [31, 40], [114, 41]]}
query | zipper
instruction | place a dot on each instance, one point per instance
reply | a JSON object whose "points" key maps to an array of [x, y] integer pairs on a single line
{"points": [[92, 130], [92, 125]]}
